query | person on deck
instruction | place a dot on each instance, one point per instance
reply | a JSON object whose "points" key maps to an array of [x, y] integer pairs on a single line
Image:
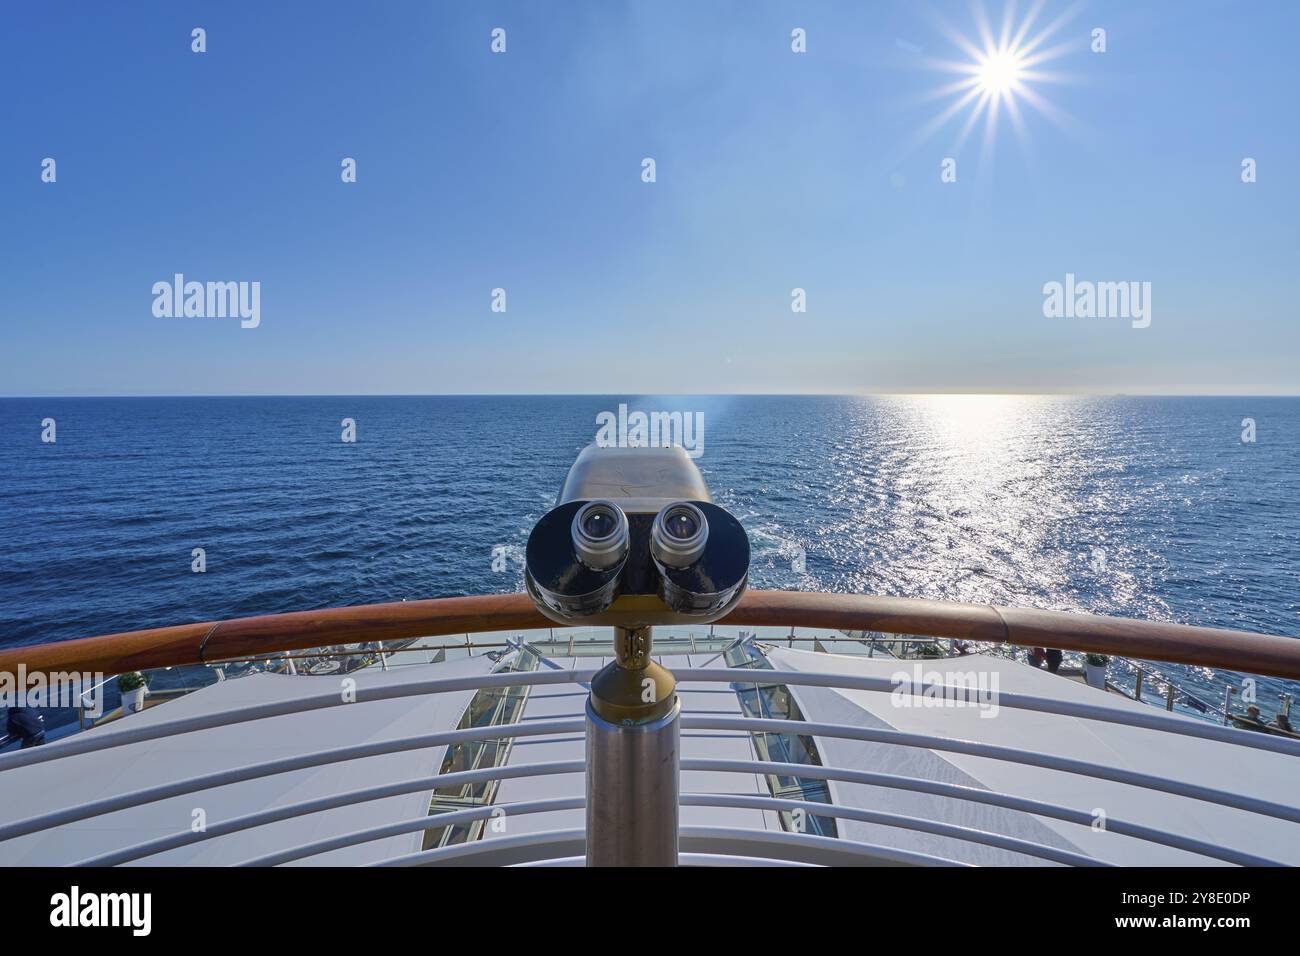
{"points": [[28, 725]]}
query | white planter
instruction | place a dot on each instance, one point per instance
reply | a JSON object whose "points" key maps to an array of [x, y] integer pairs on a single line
{"points": [[1095, 675], [133, 700]]}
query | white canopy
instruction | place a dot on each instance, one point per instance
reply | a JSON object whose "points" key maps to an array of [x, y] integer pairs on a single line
{"points": [[1209, 763], [68, 781]]}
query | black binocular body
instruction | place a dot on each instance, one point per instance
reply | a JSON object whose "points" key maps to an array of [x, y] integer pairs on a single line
{"points": [[636, 541]]}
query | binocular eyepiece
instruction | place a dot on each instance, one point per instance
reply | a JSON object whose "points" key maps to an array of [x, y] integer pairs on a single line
{"points": [[600, 536], [636, 541], [678, 536]]}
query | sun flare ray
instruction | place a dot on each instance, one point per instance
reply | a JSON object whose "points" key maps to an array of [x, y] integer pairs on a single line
{"points": [[999, 72]]}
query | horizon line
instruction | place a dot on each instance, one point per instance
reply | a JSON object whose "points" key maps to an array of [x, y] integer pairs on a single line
{"points": [[602, 394]]}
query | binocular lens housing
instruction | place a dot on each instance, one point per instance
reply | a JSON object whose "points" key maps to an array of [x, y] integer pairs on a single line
{"points": [[584, 555], [679, 535], [575, 556], [600, 536], [702, 555]]}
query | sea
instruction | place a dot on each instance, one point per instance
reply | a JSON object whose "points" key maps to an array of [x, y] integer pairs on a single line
{"points": [[1166, 508]]}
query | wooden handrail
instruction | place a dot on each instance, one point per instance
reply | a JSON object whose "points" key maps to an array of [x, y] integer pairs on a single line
{"points": [[244, 637]]}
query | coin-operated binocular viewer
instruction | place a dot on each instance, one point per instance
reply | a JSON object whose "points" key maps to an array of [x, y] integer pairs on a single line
{"points": [[635, 541]]}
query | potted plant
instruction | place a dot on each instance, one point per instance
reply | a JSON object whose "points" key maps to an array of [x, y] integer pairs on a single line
{"points": [[133, 686], [1094, 670]]}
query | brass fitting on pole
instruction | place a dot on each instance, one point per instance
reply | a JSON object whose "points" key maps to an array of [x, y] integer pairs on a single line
{"points": [[633, 689]]}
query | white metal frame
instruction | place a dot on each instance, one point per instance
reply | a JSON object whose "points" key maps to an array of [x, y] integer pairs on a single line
{"points": [[698, 844]]}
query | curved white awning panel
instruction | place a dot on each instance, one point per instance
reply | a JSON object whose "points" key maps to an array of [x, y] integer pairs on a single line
{"points": [[82, 778], [1223, 766]]}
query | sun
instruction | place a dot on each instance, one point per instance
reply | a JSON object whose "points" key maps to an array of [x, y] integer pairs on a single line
{"points": [[1000, 72]]}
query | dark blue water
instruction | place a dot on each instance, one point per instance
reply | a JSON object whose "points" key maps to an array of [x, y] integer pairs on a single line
{"points": [[1144, 507]]}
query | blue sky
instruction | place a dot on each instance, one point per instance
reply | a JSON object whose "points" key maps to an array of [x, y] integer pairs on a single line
{"points": [[522, 170]]}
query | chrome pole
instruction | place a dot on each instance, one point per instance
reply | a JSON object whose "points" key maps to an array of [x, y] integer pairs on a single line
{"points": [[633, 758], [632, 791]]}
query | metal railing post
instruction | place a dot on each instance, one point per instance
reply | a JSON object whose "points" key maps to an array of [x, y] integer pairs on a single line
{"points": [[633, 758]]}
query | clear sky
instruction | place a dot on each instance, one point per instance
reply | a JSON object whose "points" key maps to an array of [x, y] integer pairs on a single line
{"points": [[522, 170]]}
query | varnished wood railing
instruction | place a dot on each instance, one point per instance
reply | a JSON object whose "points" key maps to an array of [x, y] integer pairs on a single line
{"points": [[243, 637]]}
